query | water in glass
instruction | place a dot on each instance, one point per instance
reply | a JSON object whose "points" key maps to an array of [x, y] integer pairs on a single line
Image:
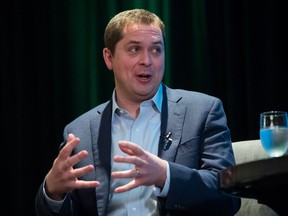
{"points": [[274, 132]]}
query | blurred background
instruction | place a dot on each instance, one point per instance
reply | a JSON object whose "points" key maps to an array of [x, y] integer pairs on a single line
{"points": [[52, 70]]}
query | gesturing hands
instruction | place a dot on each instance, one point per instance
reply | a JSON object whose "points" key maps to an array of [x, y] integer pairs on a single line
{"points": [[62, 177], [149, 169]]}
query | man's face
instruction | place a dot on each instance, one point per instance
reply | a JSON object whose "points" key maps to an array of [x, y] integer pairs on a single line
{"points": [[138, 62]]}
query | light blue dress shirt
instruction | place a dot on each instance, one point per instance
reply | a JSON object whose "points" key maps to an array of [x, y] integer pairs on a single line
{"points": [[144, 131]]}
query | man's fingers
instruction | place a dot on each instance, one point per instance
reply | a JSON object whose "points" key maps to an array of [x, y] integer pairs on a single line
{"points": [[124, 174], [87, 184], [82, 171], [71, 161], [130, 148], [131, 185], [65, 159], [66, 151]]}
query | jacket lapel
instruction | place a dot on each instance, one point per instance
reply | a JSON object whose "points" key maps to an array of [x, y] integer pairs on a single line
{"points": [[102, 156], [174, 124]]}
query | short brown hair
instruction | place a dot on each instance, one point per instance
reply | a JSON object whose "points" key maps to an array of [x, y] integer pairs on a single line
{"points": [[114, 29]]}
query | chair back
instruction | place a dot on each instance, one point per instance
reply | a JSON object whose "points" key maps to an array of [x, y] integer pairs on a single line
{"points": [[246, 151]]}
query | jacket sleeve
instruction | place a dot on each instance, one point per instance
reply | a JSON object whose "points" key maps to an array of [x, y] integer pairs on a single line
{"points": [[41, 207]]}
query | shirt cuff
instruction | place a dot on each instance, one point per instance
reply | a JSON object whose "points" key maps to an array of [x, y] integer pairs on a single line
{"points": [[53, 205], [163, 193]]}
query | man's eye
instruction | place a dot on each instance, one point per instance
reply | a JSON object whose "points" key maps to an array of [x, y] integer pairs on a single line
{"points": [[134, 49], [157, 50]]}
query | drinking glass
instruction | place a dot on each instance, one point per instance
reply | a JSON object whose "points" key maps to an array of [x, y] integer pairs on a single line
{"points": [[274, 132]]}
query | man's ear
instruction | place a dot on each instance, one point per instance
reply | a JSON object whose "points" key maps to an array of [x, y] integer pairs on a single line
{"points": [[108, 58]]}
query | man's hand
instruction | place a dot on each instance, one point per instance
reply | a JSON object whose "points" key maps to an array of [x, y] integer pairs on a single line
{"points": [[149, 169], [62, 177]]}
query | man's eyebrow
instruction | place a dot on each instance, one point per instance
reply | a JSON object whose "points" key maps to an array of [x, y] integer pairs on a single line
{"points": [[133, 42], [138, 42], [158, 42]]}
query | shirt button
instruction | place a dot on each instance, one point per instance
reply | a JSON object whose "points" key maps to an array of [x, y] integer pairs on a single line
{"points": [[133, 209]]}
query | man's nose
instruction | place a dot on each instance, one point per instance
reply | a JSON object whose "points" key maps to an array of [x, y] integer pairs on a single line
{"points": [[145, 58]]}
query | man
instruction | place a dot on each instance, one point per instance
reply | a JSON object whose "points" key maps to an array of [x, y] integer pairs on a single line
{"points": [[150, 150]]}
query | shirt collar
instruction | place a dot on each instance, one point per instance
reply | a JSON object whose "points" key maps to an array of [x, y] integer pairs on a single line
{"points": [[157, 99]]}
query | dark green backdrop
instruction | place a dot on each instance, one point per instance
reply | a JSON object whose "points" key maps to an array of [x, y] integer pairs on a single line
{"points": [[52, 70]]}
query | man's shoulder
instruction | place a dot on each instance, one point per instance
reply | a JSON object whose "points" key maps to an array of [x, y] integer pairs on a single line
{"points": [[188, 95], [91, 114]]}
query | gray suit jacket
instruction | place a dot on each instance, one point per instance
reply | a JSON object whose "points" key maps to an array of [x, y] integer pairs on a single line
{"points": [[201, 147]]}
